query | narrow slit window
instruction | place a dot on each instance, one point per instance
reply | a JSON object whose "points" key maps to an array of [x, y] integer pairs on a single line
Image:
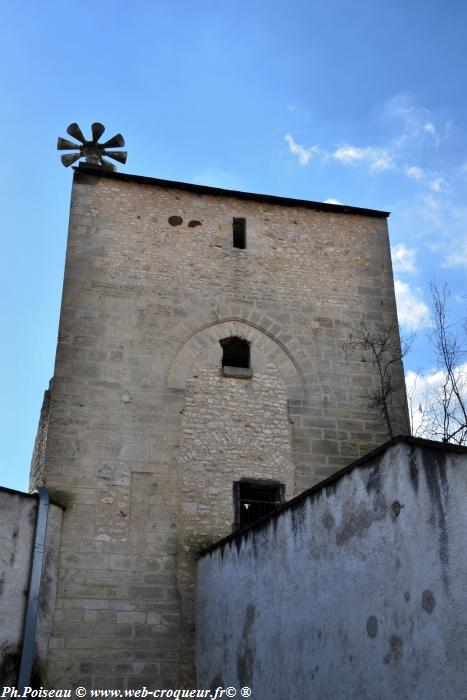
{"points": [[239, 233], [235, 352], [255, 499]]}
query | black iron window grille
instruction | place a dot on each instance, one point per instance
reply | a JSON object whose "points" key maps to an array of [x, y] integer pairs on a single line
{"points": [[254, 499]]}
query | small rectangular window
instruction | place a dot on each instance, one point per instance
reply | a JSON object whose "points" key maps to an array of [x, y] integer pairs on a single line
{"points": [[235, 352], [255, 498], [239, 233]]}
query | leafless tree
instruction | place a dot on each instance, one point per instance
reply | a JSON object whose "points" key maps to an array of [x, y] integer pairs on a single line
{"points": [[382, 346], [415, 407], [445, 407]]}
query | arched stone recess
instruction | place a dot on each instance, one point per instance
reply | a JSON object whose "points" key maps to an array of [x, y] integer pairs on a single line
{"points": [[265, 347]]}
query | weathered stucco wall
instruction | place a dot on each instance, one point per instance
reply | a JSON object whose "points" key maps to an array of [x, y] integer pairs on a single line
{"points": [[144, 306], [357, 591], [17, 528]]}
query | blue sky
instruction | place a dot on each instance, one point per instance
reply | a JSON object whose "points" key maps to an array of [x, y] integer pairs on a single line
{"points": [[361, 102]]}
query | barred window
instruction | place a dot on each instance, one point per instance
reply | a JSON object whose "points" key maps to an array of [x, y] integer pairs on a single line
{"points": [[255, 498]]}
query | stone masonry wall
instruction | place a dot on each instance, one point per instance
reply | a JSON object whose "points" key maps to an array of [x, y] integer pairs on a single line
{"points": [[143, 301], [38, 455], [231, 429]]}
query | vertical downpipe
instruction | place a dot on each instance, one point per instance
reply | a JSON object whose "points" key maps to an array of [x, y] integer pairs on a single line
{"points": [[30, 623]]}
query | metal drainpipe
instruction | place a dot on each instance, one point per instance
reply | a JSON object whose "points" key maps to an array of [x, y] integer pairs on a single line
{"points": [[29, 634]]}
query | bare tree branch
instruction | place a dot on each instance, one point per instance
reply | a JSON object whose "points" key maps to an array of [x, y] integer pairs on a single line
{"points": [[383, 348], [443, 409]]}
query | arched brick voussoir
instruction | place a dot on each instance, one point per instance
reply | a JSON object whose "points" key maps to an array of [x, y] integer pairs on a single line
{"points": [[271, 347]]}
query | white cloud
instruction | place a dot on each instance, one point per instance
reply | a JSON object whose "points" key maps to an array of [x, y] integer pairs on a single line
{"points": [[433, 208], [437, 184], [441, 220], [430, 211], [415, 172], [332, 201], [403, 258], [412, 311], [416, 123], [348, 154], [458, 256], [304, 154], [414, 133], [378, 159], [418, 383]]}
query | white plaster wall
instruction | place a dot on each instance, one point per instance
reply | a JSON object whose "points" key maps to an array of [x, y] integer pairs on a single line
{"points": [[17, 528], [16, 532], [345, 595]]}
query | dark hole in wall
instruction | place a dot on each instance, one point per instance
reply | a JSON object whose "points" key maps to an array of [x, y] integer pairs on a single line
{"points": [[175, 220], [236, 352], [239, 233]]}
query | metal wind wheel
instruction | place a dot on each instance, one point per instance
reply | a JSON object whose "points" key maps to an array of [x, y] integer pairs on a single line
{"points": [[92, 151]]}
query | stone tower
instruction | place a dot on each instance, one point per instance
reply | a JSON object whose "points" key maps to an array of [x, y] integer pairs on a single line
{"points": [[201, 371]]}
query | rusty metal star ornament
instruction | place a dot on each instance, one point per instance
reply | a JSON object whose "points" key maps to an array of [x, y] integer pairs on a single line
{"points": [[92, 151]]}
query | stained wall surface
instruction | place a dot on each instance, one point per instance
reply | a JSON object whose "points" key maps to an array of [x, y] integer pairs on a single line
{"points": [[145, 434], [355, 591], [17, 527]]}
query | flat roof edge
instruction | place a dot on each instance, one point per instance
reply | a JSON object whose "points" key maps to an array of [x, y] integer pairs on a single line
{"points": [[219, 192], [330, 481], [17, 492], [28, 494]]}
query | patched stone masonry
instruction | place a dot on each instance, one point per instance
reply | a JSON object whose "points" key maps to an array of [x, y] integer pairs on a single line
{"points": [[231, 429], [145, 303]]}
